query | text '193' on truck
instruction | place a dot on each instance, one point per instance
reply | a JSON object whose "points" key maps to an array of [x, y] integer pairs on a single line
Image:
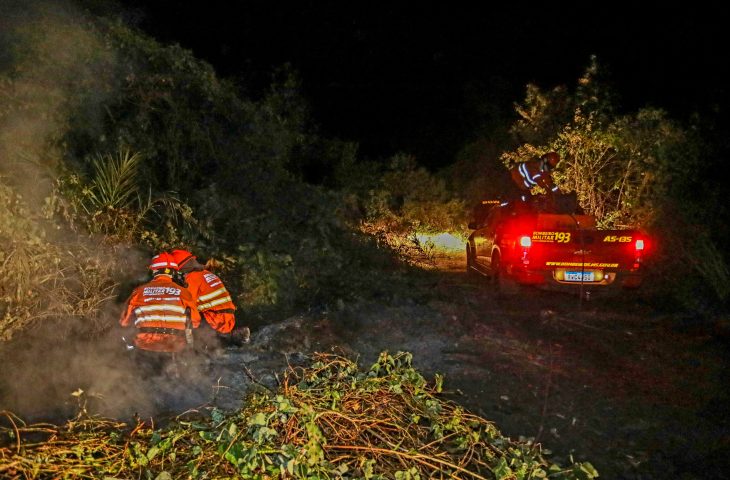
{"points": [[536, 242]]}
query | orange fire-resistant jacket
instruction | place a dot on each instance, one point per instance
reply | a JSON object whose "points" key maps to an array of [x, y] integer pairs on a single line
{"points": [[157, 310], [214, 301]]}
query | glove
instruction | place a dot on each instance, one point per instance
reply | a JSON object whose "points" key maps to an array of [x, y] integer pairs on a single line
{"points": [[241, 335], [236, 337]]}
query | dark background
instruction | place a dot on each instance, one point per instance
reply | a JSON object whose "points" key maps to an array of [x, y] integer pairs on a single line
{"points": [[402, 76]]}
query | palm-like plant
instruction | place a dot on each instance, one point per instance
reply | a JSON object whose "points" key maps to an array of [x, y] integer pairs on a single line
{"points": [[114, 204], [115, 184]]}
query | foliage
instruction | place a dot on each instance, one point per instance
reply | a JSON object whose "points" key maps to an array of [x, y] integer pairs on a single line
{"points": [[478, 174], [44, 277], [328, 420], [135, 120], [111, 203], [418, 198], [542, 114], [395, 204], [619, 170], [240, 164]]}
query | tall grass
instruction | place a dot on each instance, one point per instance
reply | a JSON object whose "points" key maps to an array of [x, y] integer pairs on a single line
{"points": [[45, 276]]}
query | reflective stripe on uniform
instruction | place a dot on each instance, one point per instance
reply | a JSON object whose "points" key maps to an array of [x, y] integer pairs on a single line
{"points": [[220, 301], [161, 318], [151, 308], [212, 294], [529, 182]]}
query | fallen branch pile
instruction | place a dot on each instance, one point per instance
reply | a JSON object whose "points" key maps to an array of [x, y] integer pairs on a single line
{"points": [[328, 420]]}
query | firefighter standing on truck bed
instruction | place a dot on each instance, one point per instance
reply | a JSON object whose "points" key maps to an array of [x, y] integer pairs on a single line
{"points": [[213, 300], [162, 313]]}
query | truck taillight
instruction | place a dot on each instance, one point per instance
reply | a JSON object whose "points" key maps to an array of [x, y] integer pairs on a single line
{"points": [[525, 241], [638, 251]]}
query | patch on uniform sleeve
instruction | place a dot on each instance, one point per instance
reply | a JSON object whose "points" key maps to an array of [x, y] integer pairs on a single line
{"points": [[212, 279]]}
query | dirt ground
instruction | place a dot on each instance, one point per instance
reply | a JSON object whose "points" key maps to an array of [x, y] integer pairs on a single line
{"points": [[639, 394]]}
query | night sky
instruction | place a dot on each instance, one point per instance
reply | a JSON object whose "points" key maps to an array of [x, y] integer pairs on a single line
{"points": [[397, 76]]}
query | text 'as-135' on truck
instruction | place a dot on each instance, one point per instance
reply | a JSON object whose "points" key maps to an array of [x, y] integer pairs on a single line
{"points": [[523, 243]]}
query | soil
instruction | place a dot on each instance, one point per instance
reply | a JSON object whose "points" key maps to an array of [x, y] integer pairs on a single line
{"points": [[637, 393]]}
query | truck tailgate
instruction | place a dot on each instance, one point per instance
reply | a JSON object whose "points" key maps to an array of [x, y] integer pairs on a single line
{"points": [[573, 242]]}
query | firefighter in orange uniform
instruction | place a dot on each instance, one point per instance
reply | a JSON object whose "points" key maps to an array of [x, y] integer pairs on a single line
{"points": [[162, 312], [213, 299], [534, 173]]}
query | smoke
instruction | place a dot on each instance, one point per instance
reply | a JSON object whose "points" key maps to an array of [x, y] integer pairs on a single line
{"points": [[53, 63], [45, 371], [57, 69]]}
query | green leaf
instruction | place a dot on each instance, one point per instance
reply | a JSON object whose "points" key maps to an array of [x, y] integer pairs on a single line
{"points": [[258, 419], [217, 416], [152, 452], [589, 470]]}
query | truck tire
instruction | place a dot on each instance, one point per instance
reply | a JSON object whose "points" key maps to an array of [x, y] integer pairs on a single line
{"points": [[506, 286]]}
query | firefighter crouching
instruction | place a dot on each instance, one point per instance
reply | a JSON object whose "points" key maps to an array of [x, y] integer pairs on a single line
{"points": [[160, 314], [213, 300]]}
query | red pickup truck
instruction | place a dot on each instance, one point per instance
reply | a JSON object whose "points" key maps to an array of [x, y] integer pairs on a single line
{"points": [[520, 243]]}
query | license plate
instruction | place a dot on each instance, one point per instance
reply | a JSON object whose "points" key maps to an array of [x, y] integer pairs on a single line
{"points": [[578, 276]]}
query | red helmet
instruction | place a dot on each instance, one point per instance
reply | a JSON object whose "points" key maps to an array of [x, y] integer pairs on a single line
{"points": [[551, 158], [181, 257], [163, 261]]}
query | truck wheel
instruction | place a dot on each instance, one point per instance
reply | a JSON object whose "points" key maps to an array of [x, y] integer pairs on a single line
{"points": [[506, 286]]}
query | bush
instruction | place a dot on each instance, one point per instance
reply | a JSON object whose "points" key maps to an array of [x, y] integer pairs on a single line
{"points": [[397, 203], [135, 121]]}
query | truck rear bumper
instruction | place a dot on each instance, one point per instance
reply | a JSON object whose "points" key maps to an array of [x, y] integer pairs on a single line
{"points": [[550, 278]]}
